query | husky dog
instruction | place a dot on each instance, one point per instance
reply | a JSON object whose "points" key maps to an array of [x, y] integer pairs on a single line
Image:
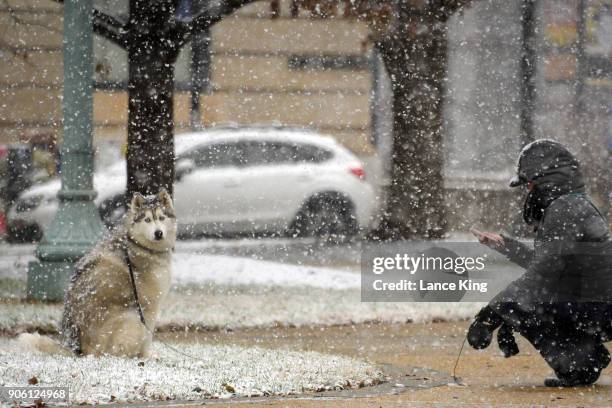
{"points": [[115, 293]]}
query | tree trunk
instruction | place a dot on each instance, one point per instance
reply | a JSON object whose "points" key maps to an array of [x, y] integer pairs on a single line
{"points": [[415, 57], [151, 57], [528, 70]]}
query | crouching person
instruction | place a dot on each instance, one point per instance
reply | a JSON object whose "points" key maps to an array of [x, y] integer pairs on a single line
{"points": [[563, 303]]}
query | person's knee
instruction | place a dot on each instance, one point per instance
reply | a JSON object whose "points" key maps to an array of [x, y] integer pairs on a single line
{"points": [[578, 364]]}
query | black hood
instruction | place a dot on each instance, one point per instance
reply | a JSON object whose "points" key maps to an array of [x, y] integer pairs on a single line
{"points": [[553, 170]]}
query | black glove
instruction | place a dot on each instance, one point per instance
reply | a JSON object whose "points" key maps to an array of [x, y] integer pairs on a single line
{"points": [[506, 341], [481, 330]]}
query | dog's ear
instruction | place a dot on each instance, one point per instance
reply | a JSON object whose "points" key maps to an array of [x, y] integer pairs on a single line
{"points": [[164, 198], [137, 201]]}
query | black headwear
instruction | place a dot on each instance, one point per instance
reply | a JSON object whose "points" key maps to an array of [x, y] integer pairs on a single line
{"points": [[553, 170]]}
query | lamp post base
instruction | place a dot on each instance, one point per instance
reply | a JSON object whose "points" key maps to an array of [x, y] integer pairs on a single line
{"points": [[48, 280], [74, 231]]}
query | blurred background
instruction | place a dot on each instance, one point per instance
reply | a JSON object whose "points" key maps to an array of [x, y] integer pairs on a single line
{"points": [[313, 65]]}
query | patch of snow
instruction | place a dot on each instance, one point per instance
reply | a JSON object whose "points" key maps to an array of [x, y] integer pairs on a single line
{"points": [[207, 244], [18, 317], [15, 266], [220, 291], [229, 270], [219, 307], [219, 372]]}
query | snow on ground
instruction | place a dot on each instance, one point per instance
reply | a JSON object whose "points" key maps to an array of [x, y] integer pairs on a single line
{"points": [[220, 291], [219, 372], [223, 269], [235, 308], [216, 307]]}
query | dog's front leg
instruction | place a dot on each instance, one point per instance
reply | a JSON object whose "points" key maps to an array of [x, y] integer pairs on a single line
{"points": [[129, 337]]}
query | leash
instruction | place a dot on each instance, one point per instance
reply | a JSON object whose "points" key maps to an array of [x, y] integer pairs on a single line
{"points": [[141, 313], [455, 378], [134, 290]]}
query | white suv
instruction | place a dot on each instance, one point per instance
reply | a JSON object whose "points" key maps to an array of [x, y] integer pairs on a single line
{"points": [[241, 180]]}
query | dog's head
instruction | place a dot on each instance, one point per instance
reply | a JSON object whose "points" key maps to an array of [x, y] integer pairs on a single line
{"points": [[151, 221]]}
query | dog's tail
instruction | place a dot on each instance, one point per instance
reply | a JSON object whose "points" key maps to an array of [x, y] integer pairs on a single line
{"points": [[44, 344]]}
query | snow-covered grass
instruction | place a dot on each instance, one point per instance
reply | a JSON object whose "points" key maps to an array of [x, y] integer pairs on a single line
{"points": [[214, 307], [221, 269], [18, 317], [219, 291], [219, 372]]}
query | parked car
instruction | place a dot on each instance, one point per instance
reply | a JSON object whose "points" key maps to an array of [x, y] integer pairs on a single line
{"points": [[240, 180]]}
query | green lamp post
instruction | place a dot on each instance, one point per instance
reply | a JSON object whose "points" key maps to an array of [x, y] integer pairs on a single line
{"points": [[77, 225]]}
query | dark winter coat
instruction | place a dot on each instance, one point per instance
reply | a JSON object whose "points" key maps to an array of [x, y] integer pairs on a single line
{"points": [[563, 302], [572, 256], [571, 260]]}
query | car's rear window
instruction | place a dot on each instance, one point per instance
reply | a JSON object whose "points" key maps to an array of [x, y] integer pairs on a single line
{"points": [[264, 152], [256, 153]]}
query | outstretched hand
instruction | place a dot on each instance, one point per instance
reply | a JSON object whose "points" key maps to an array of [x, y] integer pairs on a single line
{"points": [[490, 239]]}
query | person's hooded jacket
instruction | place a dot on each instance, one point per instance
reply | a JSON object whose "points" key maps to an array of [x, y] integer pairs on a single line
{"points": [[572, 256]]}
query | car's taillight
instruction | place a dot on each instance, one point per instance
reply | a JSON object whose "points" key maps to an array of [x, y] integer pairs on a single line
{"points": [[359, 172]]}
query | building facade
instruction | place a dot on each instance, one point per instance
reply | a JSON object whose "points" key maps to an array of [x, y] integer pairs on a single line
{"points": [[267, 67], [277, 64]]}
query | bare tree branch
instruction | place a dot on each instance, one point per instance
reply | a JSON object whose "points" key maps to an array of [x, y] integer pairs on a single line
{"points": [[110, 28], [444, 9], [183, 31], [109, 20], [107, 26], [110, 34]]}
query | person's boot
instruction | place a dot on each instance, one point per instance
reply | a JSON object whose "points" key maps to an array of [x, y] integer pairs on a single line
{"points": [[603, 356], [562, 382], [589, 374], [555, 382]]}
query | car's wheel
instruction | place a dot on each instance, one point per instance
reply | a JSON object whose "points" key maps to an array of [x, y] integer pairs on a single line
{"points": [[23, 235], [112, 211], [328, 217]]}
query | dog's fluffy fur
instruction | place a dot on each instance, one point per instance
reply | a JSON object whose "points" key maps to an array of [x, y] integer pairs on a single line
{"points": [[100, 312]]}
